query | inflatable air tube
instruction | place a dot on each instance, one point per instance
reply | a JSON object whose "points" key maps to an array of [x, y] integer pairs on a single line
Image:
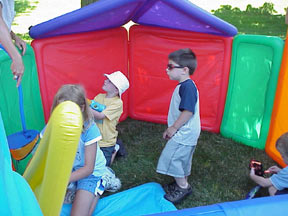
{"points": [[265, 206], [279, 119], [141, 200], [255, 66], [49, 170], [16, 198]]}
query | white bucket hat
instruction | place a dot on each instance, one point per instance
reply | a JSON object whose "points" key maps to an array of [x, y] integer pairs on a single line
{"points": [[119, 80]]}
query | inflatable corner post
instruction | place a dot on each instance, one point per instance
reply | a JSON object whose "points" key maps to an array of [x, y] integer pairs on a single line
{"points": [[50, 168], [253, 79], [16, 197], [279, 120], [151, 89]]}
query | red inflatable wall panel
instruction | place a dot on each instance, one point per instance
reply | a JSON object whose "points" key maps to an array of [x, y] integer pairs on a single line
{"points": [[80, 58], [151, 89]]}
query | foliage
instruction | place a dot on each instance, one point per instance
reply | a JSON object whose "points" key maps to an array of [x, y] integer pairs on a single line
{"points": [[87, 2], [260, 20], [22, 6]]}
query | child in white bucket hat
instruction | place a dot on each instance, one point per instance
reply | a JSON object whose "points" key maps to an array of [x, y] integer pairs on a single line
{"points": [[114, 86]]}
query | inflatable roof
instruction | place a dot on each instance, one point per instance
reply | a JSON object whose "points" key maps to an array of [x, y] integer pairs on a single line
{"points": [[175, 14]]}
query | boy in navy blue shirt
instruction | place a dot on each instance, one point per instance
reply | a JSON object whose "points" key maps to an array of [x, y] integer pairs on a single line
{"points": [[183, 126]]}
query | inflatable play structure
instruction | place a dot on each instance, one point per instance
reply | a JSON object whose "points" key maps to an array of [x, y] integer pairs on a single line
{"points": [[240, 80]]}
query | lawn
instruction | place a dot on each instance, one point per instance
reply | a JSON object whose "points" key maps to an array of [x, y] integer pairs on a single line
{"points": [[220, 166]]}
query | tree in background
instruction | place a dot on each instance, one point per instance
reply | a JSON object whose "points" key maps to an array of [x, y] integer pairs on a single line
{"points": [[87, 2]]}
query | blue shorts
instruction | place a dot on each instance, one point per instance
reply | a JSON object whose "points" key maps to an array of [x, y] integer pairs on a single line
{"points": [[92, 183], [108, 151]]}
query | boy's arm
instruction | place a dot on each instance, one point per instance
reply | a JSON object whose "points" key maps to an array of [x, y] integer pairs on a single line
{"points": [[182, 119], [263, 182], [97, 115]]}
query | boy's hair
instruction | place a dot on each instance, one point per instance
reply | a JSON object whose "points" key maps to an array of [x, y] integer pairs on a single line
{"points": [[76, 94], [282, 144], [185, 58]]}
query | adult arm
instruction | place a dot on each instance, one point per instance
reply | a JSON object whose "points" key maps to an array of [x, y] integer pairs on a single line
{"points": [[286, 17], [17, 66]]}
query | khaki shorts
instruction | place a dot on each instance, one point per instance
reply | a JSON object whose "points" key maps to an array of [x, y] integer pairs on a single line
{"points": [[176, 159]]}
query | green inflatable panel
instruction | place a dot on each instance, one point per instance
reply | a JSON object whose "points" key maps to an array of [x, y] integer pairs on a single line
{"points": [[9, 101], [256, 61]]}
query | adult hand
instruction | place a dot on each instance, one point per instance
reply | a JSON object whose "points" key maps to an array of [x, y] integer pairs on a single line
{"points": [[17, 68], [20, 44]]}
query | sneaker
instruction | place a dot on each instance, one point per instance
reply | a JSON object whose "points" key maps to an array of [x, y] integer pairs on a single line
{"points": [[178, 194], [122, 151], [112, 183], [169, 187]]}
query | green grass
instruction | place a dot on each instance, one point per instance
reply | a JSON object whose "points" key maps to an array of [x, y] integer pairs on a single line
{"points": [[219, 170], [220, 166]]}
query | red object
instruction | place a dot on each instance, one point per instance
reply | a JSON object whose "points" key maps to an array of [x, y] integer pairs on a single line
{"points": [[151, 89], [80, 58]]}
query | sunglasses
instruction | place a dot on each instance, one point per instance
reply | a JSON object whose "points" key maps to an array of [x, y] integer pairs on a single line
{"points": [[171, 66]]}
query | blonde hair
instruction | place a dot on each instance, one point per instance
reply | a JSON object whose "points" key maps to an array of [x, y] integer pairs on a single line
{"points": [[76, 94], [282, 144]]}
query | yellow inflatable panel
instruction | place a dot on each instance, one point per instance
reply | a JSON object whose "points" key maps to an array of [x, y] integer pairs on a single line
{"points": [[279, 118], [49, 170]]}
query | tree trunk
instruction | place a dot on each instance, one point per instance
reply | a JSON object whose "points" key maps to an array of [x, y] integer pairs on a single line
{"points": [[87, 2]]}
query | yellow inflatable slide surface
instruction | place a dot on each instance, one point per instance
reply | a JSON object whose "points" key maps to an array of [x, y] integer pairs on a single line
{"points": [[49, 170], [279, 118]]}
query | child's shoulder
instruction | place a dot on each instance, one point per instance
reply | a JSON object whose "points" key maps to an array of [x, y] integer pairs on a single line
{"points": [[188, 84], [91, 129]]}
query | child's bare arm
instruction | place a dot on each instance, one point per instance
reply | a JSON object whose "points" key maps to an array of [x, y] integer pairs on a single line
{"points": [[87, 169], [263, 182], [97, 115], [182, 119], [274, 169]]}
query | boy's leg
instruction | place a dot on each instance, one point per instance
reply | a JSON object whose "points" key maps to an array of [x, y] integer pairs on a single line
{"points": [[272, 190], [182, 182], [108, 151], [116, 148]]}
